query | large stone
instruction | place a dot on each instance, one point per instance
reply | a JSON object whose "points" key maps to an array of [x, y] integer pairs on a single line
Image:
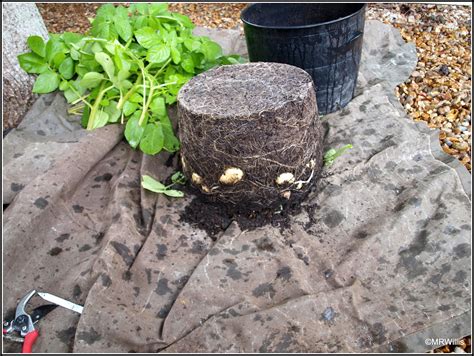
{"points": [[250, 133]]}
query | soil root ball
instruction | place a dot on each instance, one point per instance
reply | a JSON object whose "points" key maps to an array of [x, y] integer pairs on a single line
{"points": [[250, 133]]}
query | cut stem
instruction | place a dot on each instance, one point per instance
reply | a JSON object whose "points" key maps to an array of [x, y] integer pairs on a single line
{"points": [[127, 96], [145, 106], [95, 107]]}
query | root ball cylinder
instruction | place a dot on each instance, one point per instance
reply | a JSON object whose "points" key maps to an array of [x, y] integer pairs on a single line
{"points": [[250, 133]]}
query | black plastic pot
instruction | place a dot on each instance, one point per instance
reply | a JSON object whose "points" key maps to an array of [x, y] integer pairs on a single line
{"points": [[323, 39]]}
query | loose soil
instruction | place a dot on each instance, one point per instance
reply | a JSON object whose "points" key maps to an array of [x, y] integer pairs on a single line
{"points": [[215, 217]]}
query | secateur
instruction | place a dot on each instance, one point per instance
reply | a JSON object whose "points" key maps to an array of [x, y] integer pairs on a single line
{"points": [[23, 323]]}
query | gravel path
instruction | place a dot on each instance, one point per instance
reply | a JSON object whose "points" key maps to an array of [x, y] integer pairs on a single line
{"points": [[439, 90]]}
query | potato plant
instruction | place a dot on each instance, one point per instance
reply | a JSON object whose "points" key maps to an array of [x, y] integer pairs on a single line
{"points": [[127, 69]]}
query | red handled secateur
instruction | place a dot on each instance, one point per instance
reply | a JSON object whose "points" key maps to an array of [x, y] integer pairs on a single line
{"points": [[24, 322]]}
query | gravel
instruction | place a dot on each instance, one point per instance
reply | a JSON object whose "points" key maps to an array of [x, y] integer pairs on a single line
{"points": [[439, 90]]}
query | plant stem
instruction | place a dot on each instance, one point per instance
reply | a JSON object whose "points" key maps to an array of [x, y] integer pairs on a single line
{"points": [[145, 106], [129, 93], [163, 67], [70, 86], [95, 107]]}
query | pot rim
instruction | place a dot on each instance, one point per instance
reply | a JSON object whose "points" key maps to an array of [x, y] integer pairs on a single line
{"points": [[244, 11]]}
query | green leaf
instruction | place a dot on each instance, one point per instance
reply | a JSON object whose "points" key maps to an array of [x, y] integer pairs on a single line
{"points": [[32, 63], [133, 131], [90, 63], [192, 44], [85, 116], [104, 29], [121, 11], [170, 98], [104, 102], [140, 22], [171, 142], [188, 65], [171, 38], [92, 79], [67, 68], [121, 62], [178, 178], [158, 107], [158, 54], [233, 59], [53, 48], [58, 59], [124, 84], [122, 75], [101, 119], [46, 83], [36, 44], [152, 184], [64, 85], [106, 11], [71, 95], [96, 47], [70, 38], [147, 37], [74, 54], [106, 62], [81, 70], [331, 155], [174, 193], [140, 8], [211, 50], [198, 59], [136, 98], [123, 27], [175, 55], [112, 111], [156, 9], [129, 108], [152, 140], [230, 60], [110, 47], [183, 20]]}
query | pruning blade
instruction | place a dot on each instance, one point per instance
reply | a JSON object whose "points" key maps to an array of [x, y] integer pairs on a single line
{"points": [[61, 302], [41, 311]]}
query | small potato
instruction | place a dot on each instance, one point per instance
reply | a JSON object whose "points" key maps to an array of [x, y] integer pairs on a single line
{"points": [[205, 188], [285, 178], [311, 164], [286, 194], [231, 176], [196, 178]]}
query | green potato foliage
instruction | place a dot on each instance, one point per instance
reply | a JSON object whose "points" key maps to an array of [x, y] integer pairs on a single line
{"points": [[153, 185], [331, 155], [127, 69]]}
